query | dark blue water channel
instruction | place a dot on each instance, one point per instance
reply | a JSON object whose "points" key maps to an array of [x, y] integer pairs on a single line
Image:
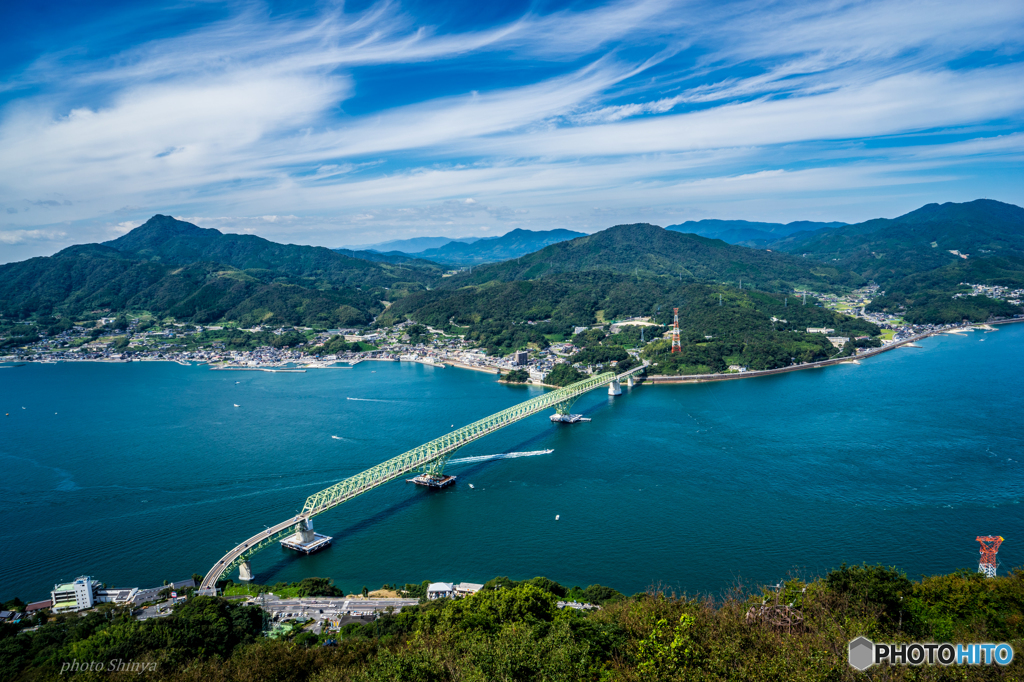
{"points": [[137, 473]]}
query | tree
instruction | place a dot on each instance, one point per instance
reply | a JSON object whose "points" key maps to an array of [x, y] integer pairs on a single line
{"points": [[366, 592], [318, 587], [548, 585], [517, 376], [562, 375]]}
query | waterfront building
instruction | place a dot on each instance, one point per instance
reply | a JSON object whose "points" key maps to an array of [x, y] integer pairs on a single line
{"points": [[439, 590], [74, 596], [466, 589], [37, 605]]}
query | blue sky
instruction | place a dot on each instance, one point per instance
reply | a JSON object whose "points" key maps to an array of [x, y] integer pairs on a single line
{"points": [[347, 123]]}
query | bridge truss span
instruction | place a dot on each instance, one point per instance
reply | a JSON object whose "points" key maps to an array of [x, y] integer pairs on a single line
{"points": [[430, 456]]}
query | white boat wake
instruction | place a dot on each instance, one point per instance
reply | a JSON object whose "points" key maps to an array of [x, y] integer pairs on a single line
{"points": [[503, 455]]}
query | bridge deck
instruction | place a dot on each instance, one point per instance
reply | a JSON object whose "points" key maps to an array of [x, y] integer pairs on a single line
{"points": [[414, 459]]}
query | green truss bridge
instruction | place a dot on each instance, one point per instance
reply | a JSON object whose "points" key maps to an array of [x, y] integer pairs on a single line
{"points": [[428, 458]]}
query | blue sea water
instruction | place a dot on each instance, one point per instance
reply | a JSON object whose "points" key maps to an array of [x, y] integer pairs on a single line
{"points": [[143, 472]]}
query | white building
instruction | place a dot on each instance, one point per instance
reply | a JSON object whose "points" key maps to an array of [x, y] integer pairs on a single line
{"points": [[440, 590], [466, 589], [74, 596], [820, 330], [838, 341], [117, 595]]}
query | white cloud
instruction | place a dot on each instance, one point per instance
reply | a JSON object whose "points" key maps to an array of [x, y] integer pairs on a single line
{"points": [[23, 236], [634, 106]]}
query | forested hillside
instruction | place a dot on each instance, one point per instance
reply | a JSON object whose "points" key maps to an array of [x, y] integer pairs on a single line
{"points": [[912, 257], [174, 241], [640, 270], [503, 316], [170, 267], [645, 251], [887, 250], [514, 630]]}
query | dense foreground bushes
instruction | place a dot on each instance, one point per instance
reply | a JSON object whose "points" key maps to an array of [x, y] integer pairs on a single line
{"points": [[514, 631]]}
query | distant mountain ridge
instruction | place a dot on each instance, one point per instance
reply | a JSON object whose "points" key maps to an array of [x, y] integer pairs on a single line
{"points": [[748, 233], [649, 250], [513, 244], [412, 245]]}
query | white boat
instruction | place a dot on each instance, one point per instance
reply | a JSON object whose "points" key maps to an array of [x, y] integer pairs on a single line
{"points": [[237, 405], [556, 516]]}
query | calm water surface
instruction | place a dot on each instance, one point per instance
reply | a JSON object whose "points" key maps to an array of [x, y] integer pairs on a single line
{"points": [[144, 472]]}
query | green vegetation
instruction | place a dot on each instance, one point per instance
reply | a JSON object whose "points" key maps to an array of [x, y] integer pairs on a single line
{"points": [[910, 258], [176, 269], [644, 251], [517, 376], [512, 630], [307, 587], [338, 344], [563, 375]]}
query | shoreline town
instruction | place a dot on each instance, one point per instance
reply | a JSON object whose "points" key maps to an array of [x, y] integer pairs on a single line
{"points": [[149, 341]]}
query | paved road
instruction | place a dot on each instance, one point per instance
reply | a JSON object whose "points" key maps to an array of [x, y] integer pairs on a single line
{"points": [[326, 607]]}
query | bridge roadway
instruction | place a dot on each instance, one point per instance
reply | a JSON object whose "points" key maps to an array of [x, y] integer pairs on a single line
{"points": [[429, 455]]}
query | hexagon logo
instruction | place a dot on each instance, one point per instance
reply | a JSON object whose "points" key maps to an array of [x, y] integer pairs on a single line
{"points": [[862, 653]]}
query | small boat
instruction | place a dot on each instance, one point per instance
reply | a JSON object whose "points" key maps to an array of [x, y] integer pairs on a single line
{"points": [[470, 485], [336, 437], [237, 405], [556, 516]]}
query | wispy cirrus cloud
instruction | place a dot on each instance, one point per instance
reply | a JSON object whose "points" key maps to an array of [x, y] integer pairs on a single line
{"points": [[561, 117]]}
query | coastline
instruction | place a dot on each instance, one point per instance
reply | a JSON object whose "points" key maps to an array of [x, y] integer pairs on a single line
{"points": [[909, 343]]}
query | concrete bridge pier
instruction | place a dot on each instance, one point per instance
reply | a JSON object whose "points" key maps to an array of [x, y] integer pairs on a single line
{"points": [[615, 388], [629, 381], [245, 571], [305, 528]]}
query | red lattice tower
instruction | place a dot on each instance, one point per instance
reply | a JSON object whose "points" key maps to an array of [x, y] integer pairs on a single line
{"points": [[676, 346], [989, 550]]}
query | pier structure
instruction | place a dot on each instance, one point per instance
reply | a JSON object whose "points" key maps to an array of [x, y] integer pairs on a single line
{"points": [[428, 459]]}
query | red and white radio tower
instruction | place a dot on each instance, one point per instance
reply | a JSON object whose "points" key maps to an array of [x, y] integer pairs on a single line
{"points": [[989, 549], [676, 346]]}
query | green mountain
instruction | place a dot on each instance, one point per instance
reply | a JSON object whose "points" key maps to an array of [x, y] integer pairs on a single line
{"points": [[643, 270], [644, 250], [168, 240], [886, 250], [920, 259], [170, 267], [753, 234], [493, 249]]}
